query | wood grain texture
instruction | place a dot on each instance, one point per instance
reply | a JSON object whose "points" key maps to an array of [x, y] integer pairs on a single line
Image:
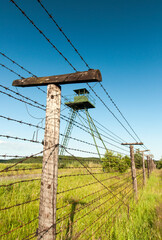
{"points": [[133, 169], [47, 210], [77, 77], [143, 165]]}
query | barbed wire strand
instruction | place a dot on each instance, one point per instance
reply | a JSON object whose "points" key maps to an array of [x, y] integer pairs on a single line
{"points": [[69, 41], [22, 181], [94, 175], [19, 204], [41, 32], [19, 227]]}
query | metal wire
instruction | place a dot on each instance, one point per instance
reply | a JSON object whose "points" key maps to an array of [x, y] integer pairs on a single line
{"points": [[19, 227], [21, 122], [22, 181], [90, 203], [110, 111], [18, 138], [94, 176], [4, 66], [19, 204], [80, 127], [33, 155], [60, 29], [9, 95], [4, 55], [19, 94], [41, 32]]}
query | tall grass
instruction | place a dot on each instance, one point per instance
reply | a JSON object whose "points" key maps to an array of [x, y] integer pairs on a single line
{"points": [[143, 223], [79, 214]]}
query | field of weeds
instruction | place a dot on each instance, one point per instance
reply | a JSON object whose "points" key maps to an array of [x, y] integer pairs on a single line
{"points": [[85, 208]]}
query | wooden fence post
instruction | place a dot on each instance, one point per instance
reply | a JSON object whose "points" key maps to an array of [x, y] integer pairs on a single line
{"points": [[144, 174], [47, 210], [133, 169], [148, 166]]}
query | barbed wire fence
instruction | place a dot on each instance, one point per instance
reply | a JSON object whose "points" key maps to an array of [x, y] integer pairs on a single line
{"points": [[89, 199]]}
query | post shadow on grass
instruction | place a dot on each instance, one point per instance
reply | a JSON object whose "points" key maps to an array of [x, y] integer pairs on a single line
{"points": [[69, 231]]}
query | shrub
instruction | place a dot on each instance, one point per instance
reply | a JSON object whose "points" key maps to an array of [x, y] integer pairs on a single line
{"points": [[113, 162]]}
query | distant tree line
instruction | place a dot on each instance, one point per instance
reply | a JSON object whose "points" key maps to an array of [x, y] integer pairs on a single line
{"points": [[159, 164], [116, 162]]}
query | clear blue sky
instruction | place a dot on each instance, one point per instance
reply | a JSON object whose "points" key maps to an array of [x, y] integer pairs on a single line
{"points": [[121, 38]]}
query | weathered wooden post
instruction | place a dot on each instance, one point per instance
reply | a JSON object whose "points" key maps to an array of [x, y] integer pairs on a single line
{"points": [[148, 166], [133, 167], [47, 209], [143, 165], [151, 163]]}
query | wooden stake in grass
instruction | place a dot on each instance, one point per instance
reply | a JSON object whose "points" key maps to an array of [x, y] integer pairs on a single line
{"points": [[143, 164], [133, 167], [148, 166], [47, 209]]}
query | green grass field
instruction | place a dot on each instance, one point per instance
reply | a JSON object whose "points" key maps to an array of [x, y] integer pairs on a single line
{"points": [[89, 212]]}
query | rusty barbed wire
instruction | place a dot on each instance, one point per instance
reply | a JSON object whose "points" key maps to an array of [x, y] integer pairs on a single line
{"points": [[19, 204], [9, 95], [19, 94], [18, 138], [110, 111], [95, 191], [81, 174], [4, 55], [86, 127], [41, 32], [85, 185], [9, 69], [69, 41], [108, 218], [22, 181], [18, 227], [21, 122], [77, 125], [32, 235], [69, 64], [15, 156], [94, 176], [118, 109], [90, 203], [22, 169], [93, 209], [105, 128], [97, 219], [60, 29], [33, 155]]}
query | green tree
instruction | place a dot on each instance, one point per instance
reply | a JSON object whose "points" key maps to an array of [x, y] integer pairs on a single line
{"points": [[138, 159], [127, 160], [112, 162], [159, 164]]}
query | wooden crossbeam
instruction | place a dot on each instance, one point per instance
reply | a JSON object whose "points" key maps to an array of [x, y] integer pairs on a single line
{"points": [[78, 77], [140, 143]]}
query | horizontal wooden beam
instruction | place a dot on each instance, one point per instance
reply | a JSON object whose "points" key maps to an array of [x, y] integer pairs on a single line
{"points": [[144, 151], [78, 77], [140, 143]]}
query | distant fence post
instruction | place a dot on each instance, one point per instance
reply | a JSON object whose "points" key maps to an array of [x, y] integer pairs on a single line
{"points": [[144, 174], [133, 169], [47, 210], [148, 166]]}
